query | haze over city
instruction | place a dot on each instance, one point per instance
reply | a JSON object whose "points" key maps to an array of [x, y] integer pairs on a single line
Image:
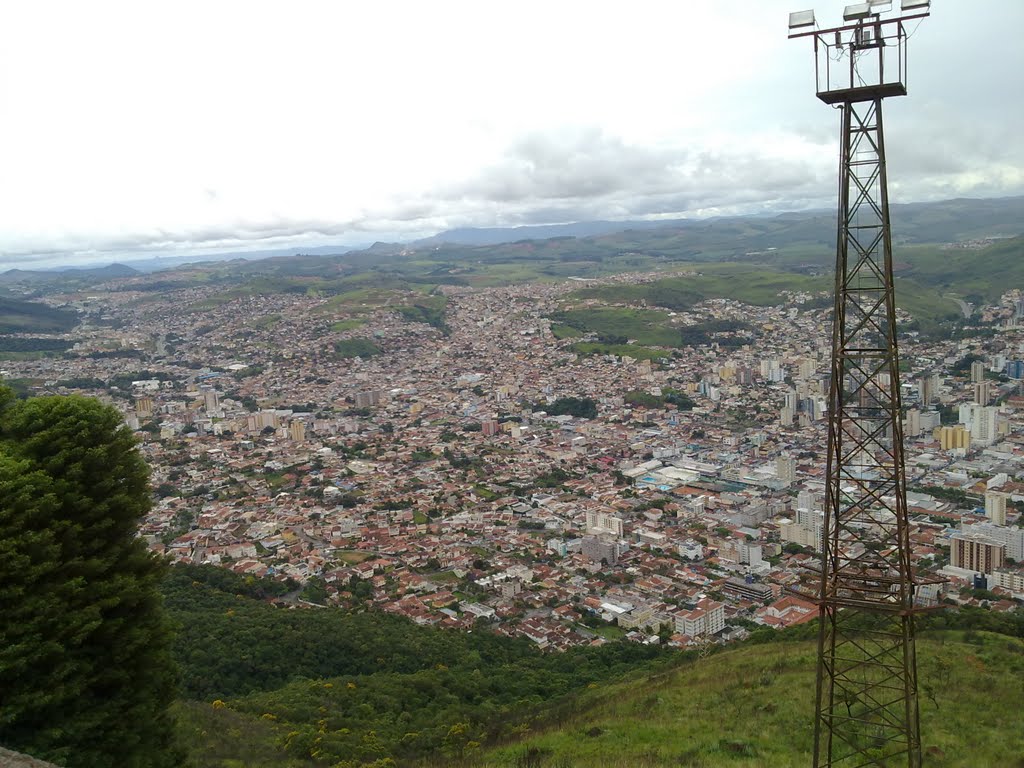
{"points": [[134, 129]]}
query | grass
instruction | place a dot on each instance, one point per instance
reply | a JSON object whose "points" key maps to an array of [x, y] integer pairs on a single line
{"points": [[263, 322], [358, 347], [444, 577], [752, 707], [352, 557], [347, 325]]}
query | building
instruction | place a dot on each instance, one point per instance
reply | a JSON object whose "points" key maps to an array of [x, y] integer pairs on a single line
{"points": [[928, 388], [955, 438], [913, 423], [985, 426], [490, 427], [601, 549], [995, 507], [297, 431], [977, 371], [1011, 537], [976, 552], [211, 400], [982, 392], [368, 398], [600, 523], [707, 618], [747, 589], [785, 469]]}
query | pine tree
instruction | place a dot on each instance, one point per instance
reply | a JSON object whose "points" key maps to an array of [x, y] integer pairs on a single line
{"points": [[86, 675]]}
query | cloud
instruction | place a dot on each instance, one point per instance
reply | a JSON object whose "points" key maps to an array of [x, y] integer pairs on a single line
{"points": [[589, 173]]}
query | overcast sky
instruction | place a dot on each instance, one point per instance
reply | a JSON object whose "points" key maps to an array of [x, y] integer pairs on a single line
{"points": [[136, 127]]}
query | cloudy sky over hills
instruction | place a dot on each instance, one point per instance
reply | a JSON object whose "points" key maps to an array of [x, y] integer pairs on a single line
{"points": [[135, 127]]}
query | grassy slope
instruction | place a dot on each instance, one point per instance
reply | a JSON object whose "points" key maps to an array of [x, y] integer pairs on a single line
{"points": [[748, 707], [751, 707]]}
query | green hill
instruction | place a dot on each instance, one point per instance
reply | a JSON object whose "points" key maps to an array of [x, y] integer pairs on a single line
{"points": [[752, 707], [17, 316]]}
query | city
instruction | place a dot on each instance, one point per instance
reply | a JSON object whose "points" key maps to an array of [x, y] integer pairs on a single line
{"points": [[443, 476]]}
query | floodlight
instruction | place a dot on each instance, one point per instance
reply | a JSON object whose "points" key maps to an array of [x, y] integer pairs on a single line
{"points": [[880, 6], [799, 19], [916, 5], [856, 11]]}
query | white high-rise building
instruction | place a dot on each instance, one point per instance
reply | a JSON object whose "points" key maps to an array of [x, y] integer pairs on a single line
{"points": [[603, 523], [913, 426], [985, 427], [785, 469], [977, 371], [982, 392], [995, 507]]}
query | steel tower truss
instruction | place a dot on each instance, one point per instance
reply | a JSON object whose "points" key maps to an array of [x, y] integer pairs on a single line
{"points": [[867, 680], [866, 693]]}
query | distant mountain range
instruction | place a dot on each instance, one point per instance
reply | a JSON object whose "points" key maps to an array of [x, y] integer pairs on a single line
{"points": [[795, 240]]}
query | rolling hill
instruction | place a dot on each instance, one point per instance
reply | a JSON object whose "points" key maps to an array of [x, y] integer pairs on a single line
{"points": [[17, 316]]}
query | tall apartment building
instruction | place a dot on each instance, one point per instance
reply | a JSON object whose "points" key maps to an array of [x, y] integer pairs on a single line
{"points": [[211, 400], [953, 438], [785, 469], [144, 407], [1011, 537], [976, 552], [977, 371], [928, 388], [601, 549], [982, 392], [912, 428], [995, 507], [985, 426], [367, 398]]}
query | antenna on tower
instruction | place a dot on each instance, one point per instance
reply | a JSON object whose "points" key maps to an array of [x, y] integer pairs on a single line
{"points": [[867, 700]]}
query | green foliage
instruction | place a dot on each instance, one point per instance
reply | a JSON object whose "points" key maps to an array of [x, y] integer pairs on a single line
{"points": [[358, 347], [726, 333], [617, 325], [642, 399], [430, 311], [17, 316], [956, 495], [338, 686], [580, 407], [32, 344], [85, 670]]}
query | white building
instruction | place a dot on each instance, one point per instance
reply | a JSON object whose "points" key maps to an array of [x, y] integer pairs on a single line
{"points": [[707, 618]]}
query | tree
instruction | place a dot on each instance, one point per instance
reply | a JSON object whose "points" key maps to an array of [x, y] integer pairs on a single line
{"points": [[86, 674]]}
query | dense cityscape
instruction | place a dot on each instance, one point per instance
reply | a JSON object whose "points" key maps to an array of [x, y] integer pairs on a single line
{"points": [[470, 469]]}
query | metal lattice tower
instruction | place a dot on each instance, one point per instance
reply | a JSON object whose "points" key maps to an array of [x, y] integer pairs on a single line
{"points": [[867, 698]]}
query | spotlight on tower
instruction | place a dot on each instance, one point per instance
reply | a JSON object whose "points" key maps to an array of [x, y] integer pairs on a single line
{"points": [[916, 5], [799, 19], [857, 11]]}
